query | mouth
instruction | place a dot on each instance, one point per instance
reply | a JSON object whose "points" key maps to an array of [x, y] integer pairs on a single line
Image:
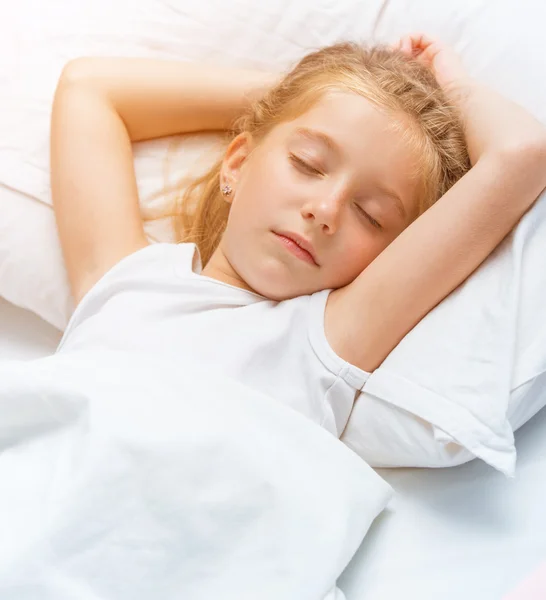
{"points": [[298, 246]]}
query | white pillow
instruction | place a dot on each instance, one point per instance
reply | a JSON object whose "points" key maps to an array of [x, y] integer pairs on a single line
{"points": [[243, 33], [439, 398], [460, 382]]}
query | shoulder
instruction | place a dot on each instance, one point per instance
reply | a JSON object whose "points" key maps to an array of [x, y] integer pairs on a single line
{"points": [[292, 333], [157, 258], [146, 267], [309, 313]]}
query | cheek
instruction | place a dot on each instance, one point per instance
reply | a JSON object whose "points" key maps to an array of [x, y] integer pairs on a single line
{"points": [[357, 256], [356, 251], [262, 183], [248, 204], [264, 192]]}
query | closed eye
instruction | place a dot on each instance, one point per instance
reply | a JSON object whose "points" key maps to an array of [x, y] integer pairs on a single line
{"points": [[303, 165], [311, 170], [370, 219]]}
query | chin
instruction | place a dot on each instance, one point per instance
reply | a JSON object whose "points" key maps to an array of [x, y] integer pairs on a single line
{"points": [[273, 289], [278, 284]]}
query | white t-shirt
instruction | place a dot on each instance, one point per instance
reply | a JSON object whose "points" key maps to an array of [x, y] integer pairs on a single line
{"points": [[155, 300]]}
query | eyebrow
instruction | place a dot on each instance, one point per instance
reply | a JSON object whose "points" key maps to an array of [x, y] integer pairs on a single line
{"points": [[333, 146], [318, 136]]}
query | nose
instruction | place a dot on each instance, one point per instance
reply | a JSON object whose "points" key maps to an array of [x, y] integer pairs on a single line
{"points": [[325, 210]]}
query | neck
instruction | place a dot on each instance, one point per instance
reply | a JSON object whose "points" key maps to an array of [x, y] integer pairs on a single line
{"points": [[220, 268]]}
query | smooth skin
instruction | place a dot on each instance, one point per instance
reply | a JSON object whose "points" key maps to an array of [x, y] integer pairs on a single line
{"points": [[342, 199], [386, 278]]}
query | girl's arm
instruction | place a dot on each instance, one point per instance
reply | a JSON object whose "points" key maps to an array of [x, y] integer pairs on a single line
{"points": [[101, 105], [365, 320]]}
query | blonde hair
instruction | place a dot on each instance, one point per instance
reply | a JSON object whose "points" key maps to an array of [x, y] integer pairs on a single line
{"points": [[385, 77]]}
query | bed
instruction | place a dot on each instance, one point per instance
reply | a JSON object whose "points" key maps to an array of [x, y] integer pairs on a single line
{"points": [[462, 532]]}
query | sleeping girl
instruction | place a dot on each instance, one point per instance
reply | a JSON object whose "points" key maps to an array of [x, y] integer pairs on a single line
{"points": [[355, 192]]}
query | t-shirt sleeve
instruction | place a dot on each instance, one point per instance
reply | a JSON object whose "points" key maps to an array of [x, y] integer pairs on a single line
{"points": [[351, 374]]}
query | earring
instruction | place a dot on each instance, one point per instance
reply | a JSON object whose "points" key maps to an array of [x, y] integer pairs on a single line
{"points": [[226, 190]]}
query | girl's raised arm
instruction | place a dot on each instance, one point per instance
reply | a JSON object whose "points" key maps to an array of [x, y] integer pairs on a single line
{"points": [[365, 320], [101, 105]]}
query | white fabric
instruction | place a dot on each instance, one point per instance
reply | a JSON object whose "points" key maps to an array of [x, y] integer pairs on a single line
{"points": [[463, 533], [47, 35], [156, 301], [473, 399], [124, 477], [456, 533], [451, 390], [443, 398]]}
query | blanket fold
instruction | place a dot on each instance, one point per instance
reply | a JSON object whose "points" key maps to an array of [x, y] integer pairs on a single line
{"points": [[125, 477]]}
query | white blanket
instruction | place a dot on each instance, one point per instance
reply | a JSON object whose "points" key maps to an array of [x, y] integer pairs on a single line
{"points": [[125, 477]]}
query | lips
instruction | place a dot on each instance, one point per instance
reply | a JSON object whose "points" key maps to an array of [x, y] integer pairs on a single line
{"points": [[299, 245]]}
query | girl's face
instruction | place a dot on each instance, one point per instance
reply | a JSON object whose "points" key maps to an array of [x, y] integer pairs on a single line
{"points": [[337, 179]]}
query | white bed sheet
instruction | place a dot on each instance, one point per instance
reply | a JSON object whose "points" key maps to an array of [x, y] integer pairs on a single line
{"points": [[464, 532], [24, 335]]}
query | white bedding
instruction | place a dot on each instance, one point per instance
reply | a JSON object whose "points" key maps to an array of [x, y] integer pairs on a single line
{"points": [[420, 388], [457, 533], [463, 532], [125, 477], [24, 335]]}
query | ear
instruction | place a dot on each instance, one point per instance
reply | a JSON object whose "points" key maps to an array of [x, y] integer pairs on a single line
{"points": [[236, 154]]}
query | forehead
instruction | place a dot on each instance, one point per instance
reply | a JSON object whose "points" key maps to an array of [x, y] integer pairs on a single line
{"points": [[369, 141], [344, 108], [346, 123]]}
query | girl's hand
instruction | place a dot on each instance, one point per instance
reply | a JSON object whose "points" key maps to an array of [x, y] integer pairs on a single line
{"points": [[493, 124], [439, 57]]}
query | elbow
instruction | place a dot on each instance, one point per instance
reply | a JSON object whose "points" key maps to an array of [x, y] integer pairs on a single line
{"points": [[531, 148], [523, 158], [537, 148], [73, 70], [533, 153], [79, 71], [525, 162], [84, 73]]}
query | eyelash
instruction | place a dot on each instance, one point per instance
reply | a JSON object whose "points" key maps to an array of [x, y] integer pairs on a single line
{"points": [[370, 219], [304, 165], [312, 171]]}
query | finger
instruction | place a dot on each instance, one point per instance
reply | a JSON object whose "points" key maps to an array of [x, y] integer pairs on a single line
{"points": [[430, 52], [410, 44], [407, 45], [427, 41], [417, 47], [421, 41]]}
